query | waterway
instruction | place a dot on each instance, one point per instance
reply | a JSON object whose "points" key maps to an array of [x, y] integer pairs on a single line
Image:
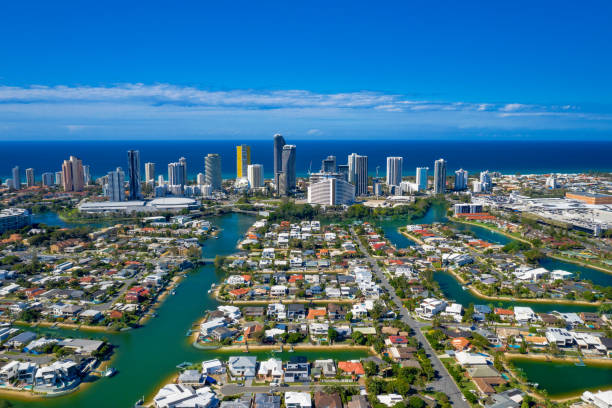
{"points": [[452, 289], [147, 356], [51, 218], [565, 379]]}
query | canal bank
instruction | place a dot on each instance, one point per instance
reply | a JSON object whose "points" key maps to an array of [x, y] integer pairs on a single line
{"points": [[144, 357], [451, 287]]}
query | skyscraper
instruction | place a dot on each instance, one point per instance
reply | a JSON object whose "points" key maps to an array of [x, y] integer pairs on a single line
{"points": [[279, 142], [176, 174], [59, 178], [72, 174], [30, 177], [287, 176], [255, 175], [115, 185], [351, 167], [421, 178], [212, 169], [344, 170], [394, 170], [485, 181], [134, 174], [47, 179], [243, 159], [201, 179], [440, 176], [16, 181], [183, 162], [149, 172], [86, 174], [329, 165], [361, 175], [461, 179]]}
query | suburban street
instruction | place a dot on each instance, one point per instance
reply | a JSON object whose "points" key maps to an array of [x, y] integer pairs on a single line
{"points": [[233, 389], [443, 382]]}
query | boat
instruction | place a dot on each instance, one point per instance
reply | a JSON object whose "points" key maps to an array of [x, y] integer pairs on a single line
{"points": [[110, 371], [184, 364], [464, 288], [174, 292], [139, 403]]}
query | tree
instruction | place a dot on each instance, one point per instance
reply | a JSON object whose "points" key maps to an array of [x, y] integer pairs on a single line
{"points": [[219, 261], [416, 402], [332, 335], [370, 368]]}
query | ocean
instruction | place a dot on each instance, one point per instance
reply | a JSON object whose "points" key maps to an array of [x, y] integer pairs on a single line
{"points": [[508, 157]]}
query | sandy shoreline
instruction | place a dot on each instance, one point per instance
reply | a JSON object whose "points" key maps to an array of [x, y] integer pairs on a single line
{"points": [[411, 237]]}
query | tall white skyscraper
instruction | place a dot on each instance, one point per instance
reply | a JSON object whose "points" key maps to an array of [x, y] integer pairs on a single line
{"points": [[351, 167], [47, 179], [87, 174], [149, 172], [30, 177], [361, 175], [394, 170], [255, 175], [115, 185], [176, 174], [59, 178], [440, 176], [212, 170], [421, 178], [160, 180], [16, 180], [485, 181], [201, 179], [461, 179]]}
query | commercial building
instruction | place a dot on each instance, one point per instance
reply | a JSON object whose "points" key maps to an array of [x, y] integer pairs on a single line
{"points": [[361, 175], [14, 218], [30, 177], [149, 172], [461, 180], [331, 191], [394, 170], [440, 176], [134, 174], [115, 185], [243, 159], [173, 204], [212, 170], [47, 179], [590, 198], [73, 178], [421, 178], [255, 175]]}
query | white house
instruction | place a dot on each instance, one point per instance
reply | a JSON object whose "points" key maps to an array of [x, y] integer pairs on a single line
{"points": [[298, 400]]}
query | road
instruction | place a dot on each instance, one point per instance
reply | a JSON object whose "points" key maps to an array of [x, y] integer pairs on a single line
{"points": [[443, 382]]}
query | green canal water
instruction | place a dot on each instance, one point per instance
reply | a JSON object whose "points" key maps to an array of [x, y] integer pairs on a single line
{"points": [[452, 289], [147, 356], [565, 379]]}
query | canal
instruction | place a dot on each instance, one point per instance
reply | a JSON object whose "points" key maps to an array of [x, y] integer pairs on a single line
{"points": [[147, 356], [452, 289], [562, 380]]}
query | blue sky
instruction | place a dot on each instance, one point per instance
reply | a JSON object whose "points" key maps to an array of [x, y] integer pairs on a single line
{"points": [[245, 69]]}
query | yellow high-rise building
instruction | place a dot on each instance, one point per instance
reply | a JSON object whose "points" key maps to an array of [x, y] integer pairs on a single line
{"points": [[243, 159]]}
